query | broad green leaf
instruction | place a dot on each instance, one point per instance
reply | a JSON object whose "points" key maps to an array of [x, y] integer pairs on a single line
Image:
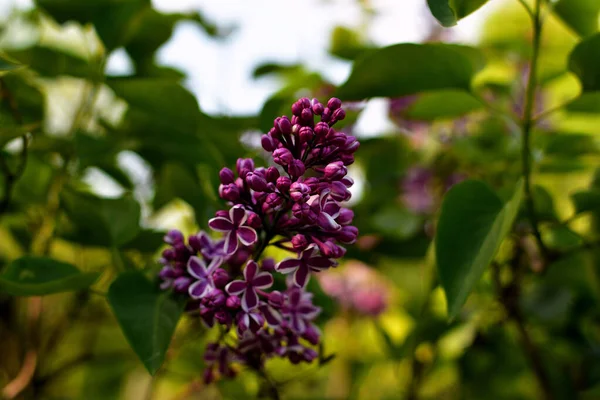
{"points": [[147, 241], [585, 201], [584, 61], [570, 144], [101, 221], [448, 12], [580, 15], [347, 43], [39, 276], [147, 316], [472, 225], [407, 68], [587, 103], [176, 181], [114, 19], [442, 104]]}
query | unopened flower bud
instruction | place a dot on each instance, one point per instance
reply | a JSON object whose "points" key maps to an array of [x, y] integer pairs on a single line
{"points": [[296, 168], [182, 284], [226, 176], [312, 335], [244, 165], [305, 134], [346, 216], [348, 234], [283, 184], [299, 192], [220, 278], [223, 317], [339, 191], [256, 182], [268, 142], [233, 302], [338, 115], [317, 107], [268, 264], [299, 242], [229, 192], [306, 115], [335, 171], [276, 299], [334, 103], [282, 156], [352, 144], [284, 125], [254, 220], [321, 129], [271, 174]]}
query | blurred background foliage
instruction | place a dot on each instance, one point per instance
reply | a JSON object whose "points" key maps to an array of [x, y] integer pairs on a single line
{"points": [[68, 129]]}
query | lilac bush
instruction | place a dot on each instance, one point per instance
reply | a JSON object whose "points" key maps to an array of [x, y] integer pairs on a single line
{"points": [[296, 205]]}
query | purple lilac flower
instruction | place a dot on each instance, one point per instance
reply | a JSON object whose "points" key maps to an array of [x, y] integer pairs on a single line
{"points": [[295, 203], [253, 280], [237, 232], [417, 190]]}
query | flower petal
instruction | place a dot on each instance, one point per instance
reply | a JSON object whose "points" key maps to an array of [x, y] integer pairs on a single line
{"points": [[231, 243], [319, 263], [197, 268], [297, 324], [249, 300], [262, 280], [220, 224], [288, 265], [199, 289], [247, 235], [327, 223], [235, 287], [301, 276], [238, 215], [214, 264], [272, 316], [250, 270]]}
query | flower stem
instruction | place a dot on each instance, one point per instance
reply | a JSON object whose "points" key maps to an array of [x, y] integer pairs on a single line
{"points": [[527, 126]]}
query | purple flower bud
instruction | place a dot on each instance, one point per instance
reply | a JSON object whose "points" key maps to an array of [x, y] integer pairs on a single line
{"points": [[208, 376], [168, 254], [215, 298], [326, 116], [223, 317], [347, 159], [339, 191], [338, 115], [254, 220], [282, 156], [352, 144], [334, 103], [305, 134], [337, 139], [299, 192], [348, 234], [222, 213], [276, 299], [272, 174], [173, 237], [272, 202], [296, 168], [220, 278], [305, 102], [306, 115], [229, 192], [312, 335], [335, 171], [268, 142], [283, 184], [233, 302], [284, 125], [321, 129], [297, 108], [347, 181], [182, 284], [346, 216], [268, 264], [317, 107], [166, 273], [309, 355], [244, 165], [226, 176], [299, 242], [256, 182]]}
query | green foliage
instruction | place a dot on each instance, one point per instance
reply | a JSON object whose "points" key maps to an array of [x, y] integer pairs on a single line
{"points": [[580, 15], [40, 276], [387, 72], [584, 62], [473, 223], [147, 315], [449, 12], [443, 104]]}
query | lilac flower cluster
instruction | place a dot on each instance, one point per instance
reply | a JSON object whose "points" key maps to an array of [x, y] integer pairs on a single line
{"points": [[295, 205]]}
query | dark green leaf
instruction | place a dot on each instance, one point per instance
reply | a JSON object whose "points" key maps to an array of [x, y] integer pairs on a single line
{"points": [[7, 64], [347, 44], [584, 62], [147, 241], [101, 221], [570, 145], [586, 201], [52, 62], [274, 69], [406, 68], [448, 12], [472, 225], [586, 103], [39, 276], [147, 316], [114, 19], [579, 15], [176, 181], [442, 104]]}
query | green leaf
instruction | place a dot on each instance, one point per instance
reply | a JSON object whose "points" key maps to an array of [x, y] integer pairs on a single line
{"points": [[580, 15], [101, 221], [585, 201], [7, 64], [442, 104], [114, 19], [174, 180], [147, 316], [347, 44], [448, 12], [570, 145], [587, 103], [407, 68], [397, 223], [53, 62], [584, 61], [472, 225], [39, 276]]}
